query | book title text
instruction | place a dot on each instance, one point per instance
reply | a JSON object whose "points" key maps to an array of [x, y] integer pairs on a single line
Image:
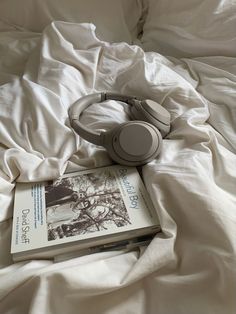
{"points": [[133, 197]]}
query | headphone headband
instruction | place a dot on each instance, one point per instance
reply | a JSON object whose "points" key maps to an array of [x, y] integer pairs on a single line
{"points": [[80, 105]]}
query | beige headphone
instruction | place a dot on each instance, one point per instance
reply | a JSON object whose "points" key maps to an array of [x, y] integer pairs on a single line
{"points": [[131, 143]]}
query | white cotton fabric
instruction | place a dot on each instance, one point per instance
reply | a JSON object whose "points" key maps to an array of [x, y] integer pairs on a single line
{"points": [[116, 20], [190, 266], [190, 28]]}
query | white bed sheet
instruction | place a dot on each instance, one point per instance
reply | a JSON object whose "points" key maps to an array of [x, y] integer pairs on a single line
{"points": [[190, 28], [190, 266]]}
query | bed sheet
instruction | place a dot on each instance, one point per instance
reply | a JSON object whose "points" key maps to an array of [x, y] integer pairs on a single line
{"points": [[190, 28], [190, 266]]}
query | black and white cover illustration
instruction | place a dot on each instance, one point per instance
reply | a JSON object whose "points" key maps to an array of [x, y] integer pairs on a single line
{"points": [[84, 203]]}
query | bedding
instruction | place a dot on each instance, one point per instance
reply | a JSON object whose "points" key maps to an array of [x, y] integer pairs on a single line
{"points": [[191, 28], [118, 20], [190, 266]]}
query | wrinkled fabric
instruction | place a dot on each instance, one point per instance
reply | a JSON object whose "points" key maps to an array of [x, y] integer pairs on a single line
{"points": [[190, 28], [190, 266]]}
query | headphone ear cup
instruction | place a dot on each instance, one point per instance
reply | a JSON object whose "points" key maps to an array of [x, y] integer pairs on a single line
{"points": [[153, 113], [133, 143]]}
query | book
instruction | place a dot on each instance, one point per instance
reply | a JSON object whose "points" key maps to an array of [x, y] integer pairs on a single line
{"points": [[96, 209]]}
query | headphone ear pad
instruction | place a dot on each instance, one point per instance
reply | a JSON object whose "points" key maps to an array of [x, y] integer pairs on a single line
{"points": [[133, 143], [141, 111]]}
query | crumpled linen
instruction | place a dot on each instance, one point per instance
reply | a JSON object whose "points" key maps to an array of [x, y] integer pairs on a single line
{"points": [[189, 266]]}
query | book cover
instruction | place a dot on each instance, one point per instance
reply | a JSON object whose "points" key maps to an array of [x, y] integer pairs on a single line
{"points": [[80, 210]]}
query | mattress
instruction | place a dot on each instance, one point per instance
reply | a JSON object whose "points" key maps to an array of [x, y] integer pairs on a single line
{"points": [[189, 267]]}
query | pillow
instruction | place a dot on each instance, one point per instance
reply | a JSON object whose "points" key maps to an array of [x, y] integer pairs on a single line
{"points": [[190, 28], [115, 20]]}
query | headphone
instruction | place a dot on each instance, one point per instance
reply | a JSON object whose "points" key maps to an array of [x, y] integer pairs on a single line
{"points": [[132, 143]]}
